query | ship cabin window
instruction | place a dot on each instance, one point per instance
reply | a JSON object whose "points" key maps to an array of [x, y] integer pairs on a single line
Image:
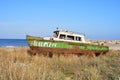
{"points": [[70, 37], [55, 34], [78, 38], [62, 36]]}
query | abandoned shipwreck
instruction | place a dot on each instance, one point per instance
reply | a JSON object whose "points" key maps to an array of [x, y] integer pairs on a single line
{"points": [[64, 42]]}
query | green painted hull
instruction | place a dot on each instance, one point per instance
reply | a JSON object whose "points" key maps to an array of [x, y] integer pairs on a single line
{"points": [[38, 42]]}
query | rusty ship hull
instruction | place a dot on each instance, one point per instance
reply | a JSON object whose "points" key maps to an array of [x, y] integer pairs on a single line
{"points": [[50, 47]]}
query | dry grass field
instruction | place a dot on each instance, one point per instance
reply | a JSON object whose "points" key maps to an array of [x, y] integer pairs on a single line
{"points": [[17, 64]]}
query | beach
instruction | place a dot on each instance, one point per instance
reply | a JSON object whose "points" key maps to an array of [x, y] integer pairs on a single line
{"points": [[112, 44]]}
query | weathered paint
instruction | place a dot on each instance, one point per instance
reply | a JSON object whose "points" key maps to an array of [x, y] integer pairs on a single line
{"points": [[65, 52], [41, 46], [41, 43], [65, 45]]}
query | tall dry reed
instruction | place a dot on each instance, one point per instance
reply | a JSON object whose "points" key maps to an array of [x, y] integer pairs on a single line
{"points": [[16, 64]]}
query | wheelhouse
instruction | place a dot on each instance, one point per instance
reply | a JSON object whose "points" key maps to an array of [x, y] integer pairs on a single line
{"points": [[64, 35]]}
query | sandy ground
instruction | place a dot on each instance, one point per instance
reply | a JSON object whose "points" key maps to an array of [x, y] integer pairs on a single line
{"points": [[113, 44]]}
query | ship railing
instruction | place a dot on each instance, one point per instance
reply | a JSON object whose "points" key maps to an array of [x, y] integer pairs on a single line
{"points": [[72, 32]]}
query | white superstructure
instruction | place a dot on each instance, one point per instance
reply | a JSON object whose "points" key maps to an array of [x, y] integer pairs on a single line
{"points": [[67, 36]]}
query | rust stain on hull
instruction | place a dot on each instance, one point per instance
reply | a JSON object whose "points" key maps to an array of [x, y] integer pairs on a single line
{"points": [[61, 51]]}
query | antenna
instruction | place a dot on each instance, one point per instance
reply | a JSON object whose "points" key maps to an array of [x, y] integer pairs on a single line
{"points": [[57, 28]]}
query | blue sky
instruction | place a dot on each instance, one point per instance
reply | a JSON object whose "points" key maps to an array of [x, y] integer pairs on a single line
{"points": [[98, 19]]}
